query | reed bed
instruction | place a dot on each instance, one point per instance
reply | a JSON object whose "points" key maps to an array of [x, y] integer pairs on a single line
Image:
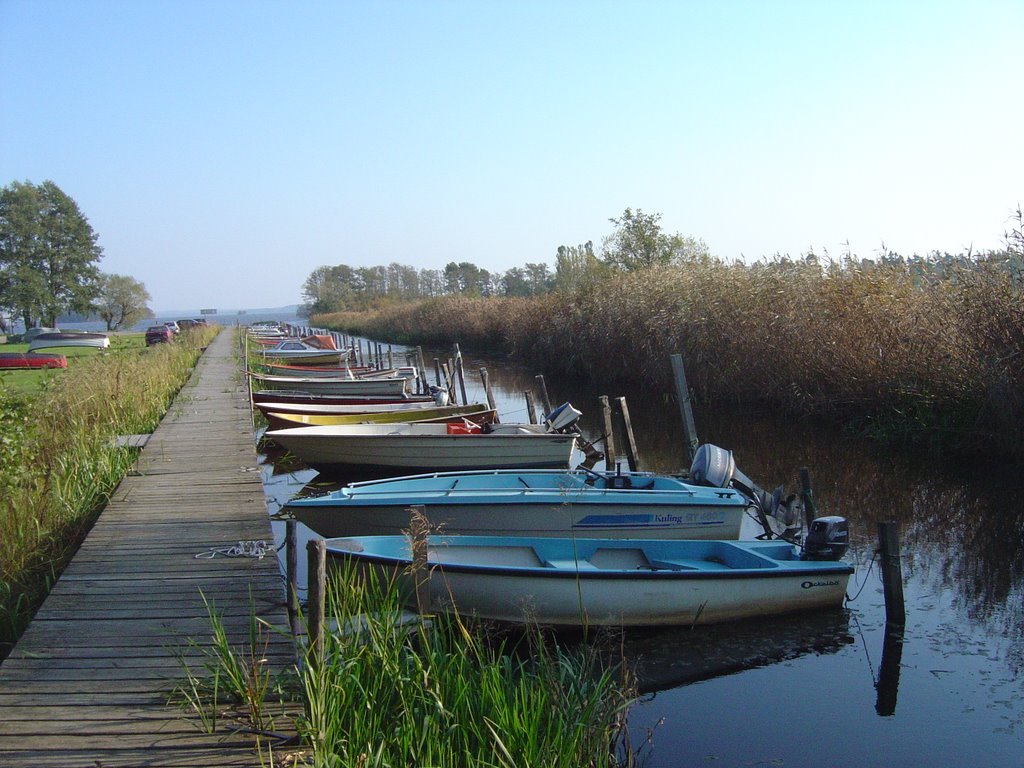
{"points": [[390, 688], [923, 351], [59, 463]]}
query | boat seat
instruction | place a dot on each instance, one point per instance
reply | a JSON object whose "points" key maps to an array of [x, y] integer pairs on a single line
{"points": [[615, 559], [571, 565], [681, 565]]}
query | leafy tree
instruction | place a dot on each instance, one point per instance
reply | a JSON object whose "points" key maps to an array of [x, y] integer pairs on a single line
{"points": [[122, 301], [576, 266], [48, 253], [468, 278], [639, 243]]}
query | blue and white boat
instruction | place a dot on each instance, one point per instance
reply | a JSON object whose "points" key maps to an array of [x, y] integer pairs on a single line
{"points": [[614, 582], [529, 503]]}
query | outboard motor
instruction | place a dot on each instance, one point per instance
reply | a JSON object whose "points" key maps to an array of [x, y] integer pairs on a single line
{"points": [[440, 395], [716, 467], [562, 419], [828, 539]]}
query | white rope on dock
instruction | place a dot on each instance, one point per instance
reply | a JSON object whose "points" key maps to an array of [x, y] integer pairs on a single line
{"points": [[258, 549]]}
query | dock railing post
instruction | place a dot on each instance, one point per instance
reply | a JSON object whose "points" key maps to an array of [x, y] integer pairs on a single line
{"points": [[316, 554], [627, 427], [291, 552], [892, 573], [685, 408], [609, 434]]}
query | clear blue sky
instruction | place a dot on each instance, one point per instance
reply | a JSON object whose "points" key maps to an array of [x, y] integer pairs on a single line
{"points": [[224, 150]]}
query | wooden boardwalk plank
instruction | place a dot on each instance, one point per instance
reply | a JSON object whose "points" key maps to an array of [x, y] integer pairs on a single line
{"points": [[88, 683]]}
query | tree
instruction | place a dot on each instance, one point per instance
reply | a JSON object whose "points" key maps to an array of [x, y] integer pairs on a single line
{"points": [[639, 243], [576, 266], [122, 301], [48, 253]]}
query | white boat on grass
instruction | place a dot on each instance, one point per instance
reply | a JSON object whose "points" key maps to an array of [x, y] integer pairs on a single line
{"points": [[608, 582], [69, 339], [529, 503]]}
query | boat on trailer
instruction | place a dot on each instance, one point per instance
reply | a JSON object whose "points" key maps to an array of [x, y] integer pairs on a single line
{"points": [[580, 582]]}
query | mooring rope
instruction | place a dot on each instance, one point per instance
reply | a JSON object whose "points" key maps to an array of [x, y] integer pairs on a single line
{"points": [[258, 549]]}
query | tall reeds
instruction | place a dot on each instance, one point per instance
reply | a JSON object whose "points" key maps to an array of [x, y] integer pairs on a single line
{"points": [[59, 462], [920, 350]]}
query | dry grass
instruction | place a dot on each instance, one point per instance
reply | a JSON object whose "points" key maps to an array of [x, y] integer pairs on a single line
{"points": [[915, 350]]}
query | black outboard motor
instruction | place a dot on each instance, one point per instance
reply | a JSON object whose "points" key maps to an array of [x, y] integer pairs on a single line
{"points": [[828, 539]]}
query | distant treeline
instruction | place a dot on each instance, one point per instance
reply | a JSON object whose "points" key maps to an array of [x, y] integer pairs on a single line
{"points": [[922, 348]]}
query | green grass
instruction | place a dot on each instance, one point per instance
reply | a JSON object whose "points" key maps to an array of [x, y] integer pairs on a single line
{"points": [[427, 691], [58, 462]]}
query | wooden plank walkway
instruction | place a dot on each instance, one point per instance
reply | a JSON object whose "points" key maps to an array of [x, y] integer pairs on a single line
{"points": [[87, 683]]}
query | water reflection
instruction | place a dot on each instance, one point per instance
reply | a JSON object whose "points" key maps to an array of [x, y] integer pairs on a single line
{"points": [[958, 662]]}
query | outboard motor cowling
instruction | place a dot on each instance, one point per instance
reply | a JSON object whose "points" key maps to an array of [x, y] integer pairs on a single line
{"points": [[828, 538], [713, 466], [562, 419], [440, 395]]}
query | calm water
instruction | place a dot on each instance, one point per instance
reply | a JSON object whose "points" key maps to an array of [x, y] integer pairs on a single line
{"points": [[827, 689]]}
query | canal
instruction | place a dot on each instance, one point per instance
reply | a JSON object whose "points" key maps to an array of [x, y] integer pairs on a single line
{"points": [[831, 689]]}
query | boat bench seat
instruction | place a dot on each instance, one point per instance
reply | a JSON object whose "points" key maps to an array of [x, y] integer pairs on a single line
{"points": [[571, 565], [686, 565]]}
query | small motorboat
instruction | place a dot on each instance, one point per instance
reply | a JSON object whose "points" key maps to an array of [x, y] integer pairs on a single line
{"points": [[477, 413], [417, 447], [534, 502], [30, 360], [280, 397], [312, 350], [578, 582], [394, 387], [69, 339]]}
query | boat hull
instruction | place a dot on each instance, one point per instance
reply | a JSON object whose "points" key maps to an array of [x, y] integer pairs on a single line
{"points": [[528, 503], [476, 412], [53, 340], [25, 360], [331, 386], [368, 448], [282, 397], [602, 582]]}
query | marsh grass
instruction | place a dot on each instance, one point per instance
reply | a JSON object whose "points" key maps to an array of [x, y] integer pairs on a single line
{"points": [[922, 351], [394, 689], [390, 690], [59, 464]]}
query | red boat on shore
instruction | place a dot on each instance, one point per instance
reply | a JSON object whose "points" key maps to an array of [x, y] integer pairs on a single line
{"points": [[22, 360]]}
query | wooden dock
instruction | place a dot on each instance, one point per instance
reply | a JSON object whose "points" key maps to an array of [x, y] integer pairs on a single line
{"points": [[87, 684]]}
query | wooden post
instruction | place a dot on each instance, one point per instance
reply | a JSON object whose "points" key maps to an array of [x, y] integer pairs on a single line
{"points": [[892, 573], [419, 528], [449, 381], [461, 375], [291, 552], [437, 371], [807, 496], [531, 410], [543, 389], [889, 671], [422, 379], [627, 427], [391, 359], [487, 389], [609, 434], [316, 555], [685, 408]]}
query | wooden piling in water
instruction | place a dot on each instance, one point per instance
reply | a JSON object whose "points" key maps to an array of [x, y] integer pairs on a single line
{"points": [[685, 408], [485, 379], [807, 496], [460, 374], [609, 433], [316, 556], [422, 379], [632, 454], [892, 573], [543, 389], [531, 409]]}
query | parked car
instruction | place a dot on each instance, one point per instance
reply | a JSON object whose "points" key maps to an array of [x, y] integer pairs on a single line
{"points": [[173, 325], [186, 324], [158, 334]]}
